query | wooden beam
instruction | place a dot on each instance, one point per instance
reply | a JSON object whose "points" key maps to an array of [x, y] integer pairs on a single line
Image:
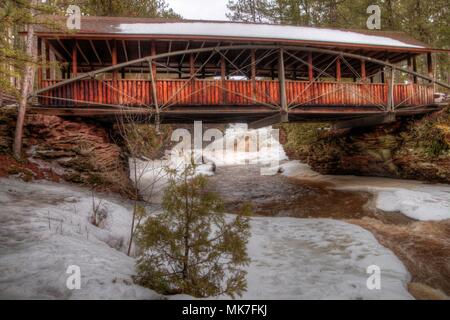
{"points": [[338, 69], [410, 67], [153, 53], [39, 70], [95, 52], [191, 65], [168, 58], [75, 70], [310, 67], [184, 54], [52, 64], [139, 49], [125, 50], [253, 73], [282, 80], [430, 68], [63, 47], [114, 59], [414, 60], [109, 47], [82, 53], [223, 76], [74, 60], [47, 61], [57, 53], [363, 71]]}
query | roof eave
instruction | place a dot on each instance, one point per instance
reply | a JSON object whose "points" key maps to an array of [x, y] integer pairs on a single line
{"points": [[87, 35]]}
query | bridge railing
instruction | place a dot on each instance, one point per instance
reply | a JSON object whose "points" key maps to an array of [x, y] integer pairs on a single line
{"points": [[231, 92]]}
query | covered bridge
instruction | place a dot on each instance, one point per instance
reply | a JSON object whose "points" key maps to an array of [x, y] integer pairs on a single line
{"points": [[178, 71]]}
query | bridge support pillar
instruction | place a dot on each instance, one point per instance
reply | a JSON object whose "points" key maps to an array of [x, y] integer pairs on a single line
{"points": [[154, 97], [282, 79], [390, 99]]}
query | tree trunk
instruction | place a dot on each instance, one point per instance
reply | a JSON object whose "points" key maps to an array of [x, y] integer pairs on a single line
{"points": [[186, 234], [27, 86], [134, 206]]}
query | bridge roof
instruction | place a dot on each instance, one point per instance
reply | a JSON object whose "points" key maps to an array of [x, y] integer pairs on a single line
{"points": [[247, 32]]}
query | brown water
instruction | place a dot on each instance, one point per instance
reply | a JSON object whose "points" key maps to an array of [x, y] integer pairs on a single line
{"points": [[282, 196]]}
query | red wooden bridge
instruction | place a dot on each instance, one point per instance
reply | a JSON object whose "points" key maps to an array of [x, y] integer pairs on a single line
{"points": [[222, 72]]}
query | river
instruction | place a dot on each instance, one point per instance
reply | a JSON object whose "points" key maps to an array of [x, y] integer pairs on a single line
{"points": [[300, 210]]}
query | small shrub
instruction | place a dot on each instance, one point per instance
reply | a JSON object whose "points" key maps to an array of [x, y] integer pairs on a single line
{"points": [[99, 213], [190, 248]]}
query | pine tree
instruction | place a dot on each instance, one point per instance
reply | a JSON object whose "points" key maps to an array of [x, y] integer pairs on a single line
{"points": [[191, 248], [129, 8], [18, 54], [248, 10], [16, 16], [425, 21]]}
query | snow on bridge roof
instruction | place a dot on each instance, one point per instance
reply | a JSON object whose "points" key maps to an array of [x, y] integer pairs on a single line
{"points": [[191, 29]]}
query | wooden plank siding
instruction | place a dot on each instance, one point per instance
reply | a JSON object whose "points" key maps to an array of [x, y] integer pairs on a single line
{"points": [[235, 92]]}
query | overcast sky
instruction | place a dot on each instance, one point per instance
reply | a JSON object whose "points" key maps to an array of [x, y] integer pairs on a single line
{"points": [[200, 9]]}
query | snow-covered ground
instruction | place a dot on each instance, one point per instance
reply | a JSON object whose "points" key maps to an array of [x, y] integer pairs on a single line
{"points": [[414, 199], [45, 228], [319, 259]]}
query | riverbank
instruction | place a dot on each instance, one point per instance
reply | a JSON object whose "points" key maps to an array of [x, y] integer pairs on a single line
{"points": [[422, 242], [414, 148]]}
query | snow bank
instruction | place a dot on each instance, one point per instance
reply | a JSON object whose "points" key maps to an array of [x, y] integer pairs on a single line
{"points": [[296, 169], [412, 198], [259, 31], [319, 259], [152, 175], [425, 203], [45, 228]]}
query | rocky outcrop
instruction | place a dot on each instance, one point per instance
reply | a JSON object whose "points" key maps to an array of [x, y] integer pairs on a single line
{"points": [[411, 149], [80, 152], [77, 152]]}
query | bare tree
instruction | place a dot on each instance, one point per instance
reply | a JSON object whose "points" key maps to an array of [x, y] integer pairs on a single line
{"points": [[147, 176], [26, 87]]}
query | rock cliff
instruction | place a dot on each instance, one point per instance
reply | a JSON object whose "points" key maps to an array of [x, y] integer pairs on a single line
{"points": [[411, 149], [78, 152]]}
